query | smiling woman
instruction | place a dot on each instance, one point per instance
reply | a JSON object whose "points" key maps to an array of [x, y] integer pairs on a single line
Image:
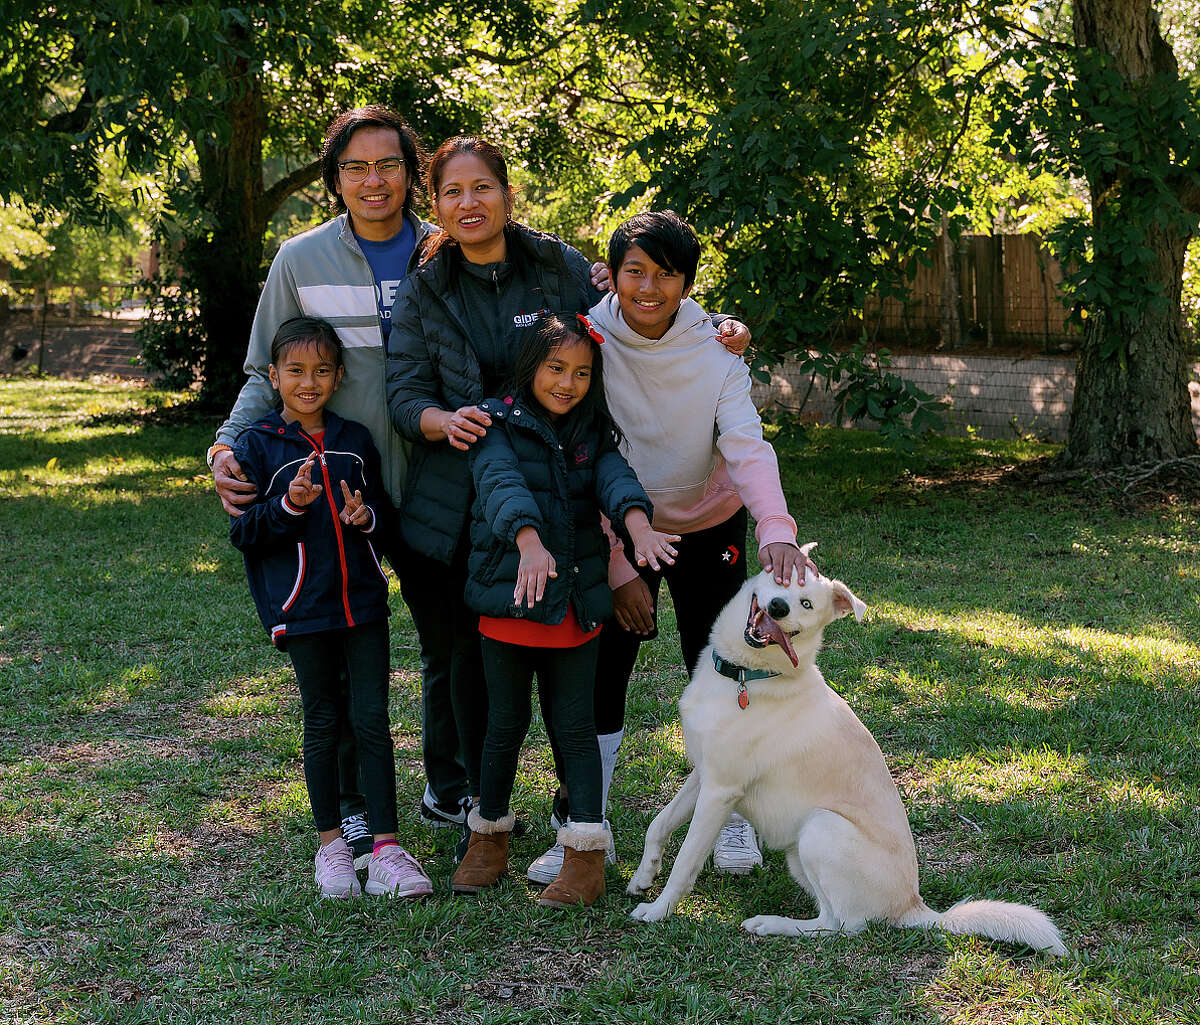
{"points": [[455, 328]]}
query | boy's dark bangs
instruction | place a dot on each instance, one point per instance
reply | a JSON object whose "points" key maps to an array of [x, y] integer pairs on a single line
{"points": [[322, 347], [655, 248]]}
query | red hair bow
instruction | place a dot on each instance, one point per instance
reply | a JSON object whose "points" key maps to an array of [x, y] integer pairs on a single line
{"points": [[592, 333]]}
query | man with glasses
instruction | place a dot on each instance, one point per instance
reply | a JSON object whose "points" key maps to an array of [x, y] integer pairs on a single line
{"points": [[346, 272]]}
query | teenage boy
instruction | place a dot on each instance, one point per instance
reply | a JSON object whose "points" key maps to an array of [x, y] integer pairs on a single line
{"points": [[695, 440]]}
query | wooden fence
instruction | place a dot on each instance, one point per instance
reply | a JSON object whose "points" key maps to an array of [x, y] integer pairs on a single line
{"points": [[1008, 295]]}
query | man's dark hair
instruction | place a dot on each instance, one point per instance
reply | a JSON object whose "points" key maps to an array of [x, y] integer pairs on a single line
{"points": [[306, 331], [664, 236], [337, 138]]}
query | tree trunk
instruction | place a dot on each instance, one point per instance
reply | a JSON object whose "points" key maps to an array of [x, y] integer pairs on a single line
{"points": [[225, 264], [1133, 406], [1131, 401], [951, 300]]}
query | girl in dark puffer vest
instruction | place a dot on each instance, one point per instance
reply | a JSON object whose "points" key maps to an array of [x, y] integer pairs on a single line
{"points": [[538, 577]]}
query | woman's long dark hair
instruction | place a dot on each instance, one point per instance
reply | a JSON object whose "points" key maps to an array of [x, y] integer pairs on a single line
{"points": [[592, 414]]}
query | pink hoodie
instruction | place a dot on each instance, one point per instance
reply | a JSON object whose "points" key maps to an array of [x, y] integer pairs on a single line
{"points": [[692, 433]]}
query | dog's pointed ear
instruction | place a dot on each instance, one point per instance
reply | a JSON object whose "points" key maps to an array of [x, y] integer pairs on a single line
{"points": [[846, 601], [807, 547]]}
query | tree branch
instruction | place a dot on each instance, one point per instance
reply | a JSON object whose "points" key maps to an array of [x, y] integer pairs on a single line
{"points": [[72, 122], [273, 198], [511, 62]]}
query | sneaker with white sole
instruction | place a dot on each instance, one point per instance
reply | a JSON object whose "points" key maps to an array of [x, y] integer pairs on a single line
{"points": [[440, 814], [396, 873], [545, 869], [736, 850], [333, 870], [357, 834]]}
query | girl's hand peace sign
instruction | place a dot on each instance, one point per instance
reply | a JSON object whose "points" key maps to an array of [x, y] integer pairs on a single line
{"points": [[354, 511], [302, 492]]}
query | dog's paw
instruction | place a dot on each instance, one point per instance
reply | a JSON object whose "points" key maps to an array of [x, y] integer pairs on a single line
{"points": [[654, 912], [642, 880], [771, 925]]}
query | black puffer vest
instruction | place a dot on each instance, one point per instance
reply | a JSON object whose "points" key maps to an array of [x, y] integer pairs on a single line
{"points": [[431, 363]]}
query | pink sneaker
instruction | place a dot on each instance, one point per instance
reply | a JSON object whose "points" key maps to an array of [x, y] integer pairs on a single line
{"points": [[395, 872], [335, 875]]}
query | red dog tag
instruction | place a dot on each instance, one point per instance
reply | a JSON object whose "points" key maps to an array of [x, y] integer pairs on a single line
{"points": [[743, 697]]}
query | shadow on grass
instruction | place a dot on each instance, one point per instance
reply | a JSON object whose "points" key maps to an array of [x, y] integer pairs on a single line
{"points": [[159, 837]]}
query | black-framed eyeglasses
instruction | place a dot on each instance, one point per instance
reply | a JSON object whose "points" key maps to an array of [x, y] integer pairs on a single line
{"points": [[357, 170]]}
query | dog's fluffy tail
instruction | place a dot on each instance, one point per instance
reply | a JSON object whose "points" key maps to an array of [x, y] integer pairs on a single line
{"points": [[995, 919]]}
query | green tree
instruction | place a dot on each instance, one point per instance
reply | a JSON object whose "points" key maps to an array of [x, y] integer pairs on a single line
{"points": [[818, 146], [204, 96], [1104, 102]]}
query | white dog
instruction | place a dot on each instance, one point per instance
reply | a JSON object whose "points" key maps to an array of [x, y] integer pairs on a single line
{"points": [[770, 740]]}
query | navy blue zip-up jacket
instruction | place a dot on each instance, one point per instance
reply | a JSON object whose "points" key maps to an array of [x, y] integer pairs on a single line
{"points": [[524, 478], [307, 570]]}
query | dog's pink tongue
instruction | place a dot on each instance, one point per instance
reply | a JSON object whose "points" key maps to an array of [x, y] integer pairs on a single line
{"points": [[775, 632]]}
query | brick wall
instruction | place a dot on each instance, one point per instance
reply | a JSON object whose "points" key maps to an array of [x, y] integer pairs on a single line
{"points": [[997, 396], [76, 349]]}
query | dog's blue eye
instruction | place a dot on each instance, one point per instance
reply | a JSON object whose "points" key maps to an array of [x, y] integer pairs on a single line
{"points": [[806, 603]]}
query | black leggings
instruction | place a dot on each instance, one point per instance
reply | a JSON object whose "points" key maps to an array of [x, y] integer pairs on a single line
{"points": [[708, 571], [565, 677], [453, 692], [319, 660]]}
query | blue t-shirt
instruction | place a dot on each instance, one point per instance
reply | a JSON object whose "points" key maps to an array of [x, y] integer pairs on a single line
{"points": [[389, 265]]}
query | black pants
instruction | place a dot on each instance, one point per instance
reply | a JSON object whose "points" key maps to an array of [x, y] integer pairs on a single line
{"points": [[565, 677], [708, 571], [350, 798], [360, 653], [453, 691]]}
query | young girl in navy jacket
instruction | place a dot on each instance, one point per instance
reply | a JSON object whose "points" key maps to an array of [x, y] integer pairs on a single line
{"points": [[537, 575], [322, 596]]}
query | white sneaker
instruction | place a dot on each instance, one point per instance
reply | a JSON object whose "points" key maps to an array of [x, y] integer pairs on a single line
{"points": [[544, 870], [736, 850], [333, 870]]}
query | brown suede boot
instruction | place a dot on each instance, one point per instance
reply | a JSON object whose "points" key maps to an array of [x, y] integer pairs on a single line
{"points": [[581, 879], [487, 854]]}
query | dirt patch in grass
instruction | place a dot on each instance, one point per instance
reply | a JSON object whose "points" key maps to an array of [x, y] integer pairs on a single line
{"points": [[533, 976], [102, 753], [943, 850], [974, 479], [1131, 490]]}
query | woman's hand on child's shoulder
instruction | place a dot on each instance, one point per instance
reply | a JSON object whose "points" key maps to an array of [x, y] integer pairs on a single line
{"points": [[465, 426], [536, 567], [601, 277], [302, 491]]}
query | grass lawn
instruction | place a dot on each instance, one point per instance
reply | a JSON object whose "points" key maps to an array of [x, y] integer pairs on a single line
{"points": [[1030, 665]]}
